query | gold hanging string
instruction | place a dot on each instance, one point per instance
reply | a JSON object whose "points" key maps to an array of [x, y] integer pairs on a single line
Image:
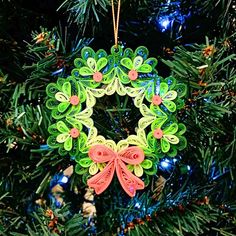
{"points": [[116, 19]]}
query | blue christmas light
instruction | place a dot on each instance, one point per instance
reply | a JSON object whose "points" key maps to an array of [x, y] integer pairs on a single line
{"points": [[170, 17], [64, 180], [57, 71], [165, 163], [137, 205], [175, 160], [44, 147], [164, 23]]}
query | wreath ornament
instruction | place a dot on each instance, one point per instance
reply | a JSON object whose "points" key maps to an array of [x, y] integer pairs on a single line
{"points": [[134, 159]]}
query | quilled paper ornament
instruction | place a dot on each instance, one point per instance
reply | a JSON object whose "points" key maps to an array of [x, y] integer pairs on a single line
{"points": [[127, 73]]}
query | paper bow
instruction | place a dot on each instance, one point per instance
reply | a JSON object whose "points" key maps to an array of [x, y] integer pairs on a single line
{"points": [[129, 182]]}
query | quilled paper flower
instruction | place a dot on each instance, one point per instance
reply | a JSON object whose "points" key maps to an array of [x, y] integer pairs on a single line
{"points": [[69, 139], [91, 67], [65, 96], [166, 93], [135, 67], [167, 138]]}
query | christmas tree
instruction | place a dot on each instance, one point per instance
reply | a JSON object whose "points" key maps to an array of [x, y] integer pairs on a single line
{"points": [[161, 115]]}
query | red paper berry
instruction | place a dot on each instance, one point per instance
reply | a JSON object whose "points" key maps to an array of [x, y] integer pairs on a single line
{"points": [[156, 100], [74, 100], [74, 133], [97, 76], [133, 75], [158, 133]]}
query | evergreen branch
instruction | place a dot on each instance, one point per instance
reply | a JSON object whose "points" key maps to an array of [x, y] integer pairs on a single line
{"points": [[84, 11]]}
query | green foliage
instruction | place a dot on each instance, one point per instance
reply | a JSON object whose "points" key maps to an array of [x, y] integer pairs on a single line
{"points": [[226, 15], [210, 113], [24, 122], [211, 107], [3, 89], [93, 13], [38, 224], [48, 54], [85, 11], [193, 220]]}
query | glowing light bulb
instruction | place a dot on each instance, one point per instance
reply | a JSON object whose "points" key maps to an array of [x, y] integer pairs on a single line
{"points": [[165, 23], [64, 179], [164, 164]]}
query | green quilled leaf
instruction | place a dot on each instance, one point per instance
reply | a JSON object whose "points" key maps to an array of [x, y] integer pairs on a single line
{"points": [[151, 61], [66, 89], [75, 152], [101, 63], [62, 151], [181, 129], [52, 89], [101, 53], [63, 106], [57, 115], [130, 167], [170, 95], [68, 144], [82, 141], [87, 52], [172, 152], [171, 138], [158, 122], [52, 129], [85, 162], [142, 51], [123, 76], [171, 81], [145, 68], [138, 170], [172, 129], [163, 89], [61, 138], [61, 97], [52, 103], [85, 71], [61, 126], [126, 62], [78, 62], [181, 89], [92, 64], [146, 164], [165, 145], [157, 110], [169, 105], [151, 141], [152, 170], [182, 143], [80, 170], [52, 142], [93, 169], [138, 61]]}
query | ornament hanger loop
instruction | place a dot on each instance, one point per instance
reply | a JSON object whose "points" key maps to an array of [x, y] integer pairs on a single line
{"points": [[116, 18]]}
